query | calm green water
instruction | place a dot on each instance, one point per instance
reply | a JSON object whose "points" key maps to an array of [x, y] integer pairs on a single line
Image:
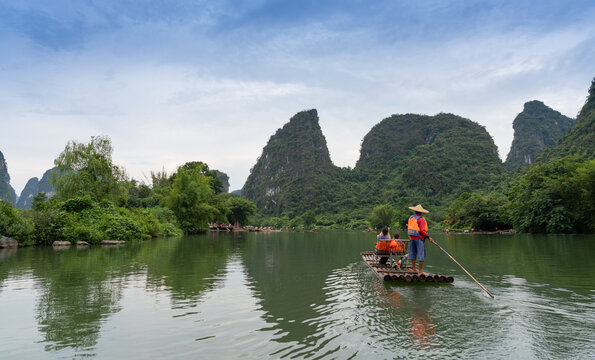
{"points": [[297, 295]]}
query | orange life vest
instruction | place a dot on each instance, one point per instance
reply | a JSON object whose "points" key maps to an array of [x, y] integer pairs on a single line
{"points": [[382, 243], [389, 245], [412, 227], [399, 246]]}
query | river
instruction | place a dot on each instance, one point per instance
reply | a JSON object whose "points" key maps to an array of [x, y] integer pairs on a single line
{"points": [[298, 295]]}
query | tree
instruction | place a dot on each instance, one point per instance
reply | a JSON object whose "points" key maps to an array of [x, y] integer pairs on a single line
{"points": [[382, 216], [555, 197], [160, 179], [239, 209], [141, 195], [202, 168], [87, 169], [193, 201], [308, 218], [39, 201], [479, 212]]}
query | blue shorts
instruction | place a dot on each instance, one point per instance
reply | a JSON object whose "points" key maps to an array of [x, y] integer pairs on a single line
{"points": [[417, 249]]}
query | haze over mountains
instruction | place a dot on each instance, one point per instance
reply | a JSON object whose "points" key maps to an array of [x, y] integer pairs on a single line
{"points": [[33, 187]]}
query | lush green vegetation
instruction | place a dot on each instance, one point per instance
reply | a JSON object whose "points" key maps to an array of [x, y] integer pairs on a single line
{"points": [[580, 139], [479, 211], [239, 209], [82, 219], [86, 169], [447, 163], [551, 197], [294, 174], [95, 201], [382, 216], [193, 200], [405, 159], [555, 195]]}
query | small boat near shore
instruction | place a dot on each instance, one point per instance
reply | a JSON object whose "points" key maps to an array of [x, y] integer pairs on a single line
{"points": [[402, 275]]}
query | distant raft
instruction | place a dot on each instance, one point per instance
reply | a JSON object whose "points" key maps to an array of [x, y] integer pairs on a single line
{"points": [[404, 274]]}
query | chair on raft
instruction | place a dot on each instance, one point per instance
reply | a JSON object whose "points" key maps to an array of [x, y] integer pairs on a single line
{"points": [[397, 249]]}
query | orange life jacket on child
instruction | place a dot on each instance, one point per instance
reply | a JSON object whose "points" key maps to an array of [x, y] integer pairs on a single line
{"points": [[389, 245]]}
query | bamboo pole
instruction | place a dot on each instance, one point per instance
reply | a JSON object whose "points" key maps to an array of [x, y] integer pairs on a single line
{"points": [[467, 272]]}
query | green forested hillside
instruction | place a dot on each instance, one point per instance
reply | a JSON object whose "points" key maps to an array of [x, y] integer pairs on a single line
{"points": [[89, 198], [536, 128], [428, 158], [580, 139], [294, 171], [554, 195], [448, 163], [7, 193], [404, 159]]}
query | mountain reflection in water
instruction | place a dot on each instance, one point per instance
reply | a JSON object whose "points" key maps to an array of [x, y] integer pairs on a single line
{"points": [[296, 295]]}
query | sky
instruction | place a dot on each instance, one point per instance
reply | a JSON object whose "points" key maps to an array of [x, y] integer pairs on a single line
{"points": [[177, 81]]}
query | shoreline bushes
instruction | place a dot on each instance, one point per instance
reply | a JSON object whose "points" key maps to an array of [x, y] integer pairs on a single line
{"points": [[56, 221]]}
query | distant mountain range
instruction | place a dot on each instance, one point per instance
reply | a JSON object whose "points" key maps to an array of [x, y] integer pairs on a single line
{"points": [[33, 187], [407, 158], [403, 156]]}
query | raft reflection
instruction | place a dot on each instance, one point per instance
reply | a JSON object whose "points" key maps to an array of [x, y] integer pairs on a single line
{"points": [[423, 330], [419, 328]]}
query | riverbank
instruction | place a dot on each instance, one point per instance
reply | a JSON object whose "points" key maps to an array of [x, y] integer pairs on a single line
{"points": [[10, 243]]}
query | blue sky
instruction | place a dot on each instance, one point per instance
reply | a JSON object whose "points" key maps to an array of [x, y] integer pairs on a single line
{"points": [[176, 81]]}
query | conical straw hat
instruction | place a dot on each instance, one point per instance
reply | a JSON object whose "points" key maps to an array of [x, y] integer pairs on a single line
{"points": [[419, 208]]}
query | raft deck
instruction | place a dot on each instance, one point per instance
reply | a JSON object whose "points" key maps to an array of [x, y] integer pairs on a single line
{"points": [[404, 274]]}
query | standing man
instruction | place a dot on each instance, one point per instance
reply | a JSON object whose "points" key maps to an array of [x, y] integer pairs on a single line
{"points": [[417, 229]]}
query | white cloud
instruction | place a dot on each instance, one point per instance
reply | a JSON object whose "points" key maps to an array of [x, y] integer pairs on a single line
{"points": [[169, 92]]}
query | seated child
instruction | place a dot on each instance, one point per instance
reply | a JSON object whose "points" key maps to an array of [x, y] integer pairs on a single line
{"points": [[383, 247], [396, 244]]}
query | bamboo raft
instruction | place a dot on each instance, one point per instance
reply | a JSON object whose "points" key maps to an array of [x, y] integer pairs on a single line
{"points": [[404, 274]]}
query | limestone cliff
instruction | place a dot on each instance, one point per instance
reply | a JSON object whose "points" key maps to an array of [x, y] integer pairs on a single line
{"points": [[32, 188], [293, 169], [536, 128], [7, 193], [428, 157]]}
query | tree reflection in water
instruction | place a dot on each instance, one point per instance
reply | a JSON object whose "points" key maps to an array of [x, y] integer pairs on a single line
{"points": [[79, 289]]}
